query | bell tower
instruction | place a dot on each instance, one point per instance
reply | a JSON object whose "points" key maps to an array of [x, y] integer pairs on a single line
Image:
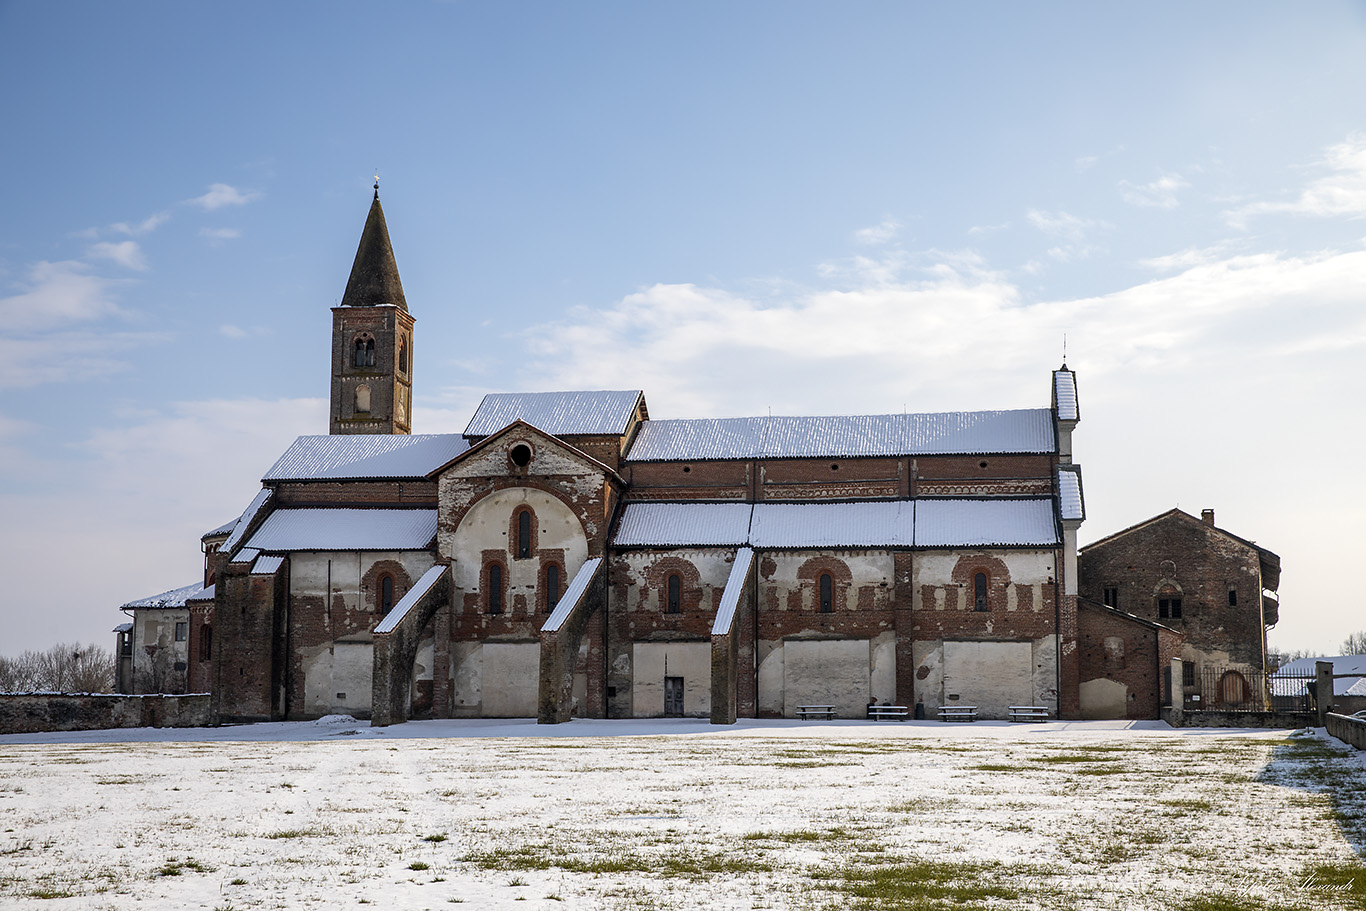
{"points": [[372, 340]]}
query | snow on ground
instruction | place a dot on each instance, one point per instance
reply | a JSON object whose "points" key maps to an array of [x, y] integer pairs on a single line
{"points": [[676, 813]]}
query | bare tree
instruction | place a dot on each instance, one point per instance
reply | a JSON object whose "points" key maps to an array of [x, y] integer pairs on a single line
{"points": [[64, 668], [1355, 644]]}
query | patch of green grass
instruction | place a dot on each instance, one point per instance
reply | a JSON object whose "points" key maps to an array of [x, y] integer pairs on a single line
{"points": [[239, 881], [435, 839], [1222, 902], [1091, 756], [175, 867], [921, 885], [1335, 880], [293, 833], [523, 858], [994, 767], [50, 892], [419, 865]]}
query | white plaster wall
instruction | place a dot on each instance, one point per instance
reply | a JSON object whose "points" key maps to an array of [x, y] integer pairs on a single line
{"points": [[486, 525], [771, 677], [155, 628], [1103, 698], [308, 573], [990, 675], [1046, 673], [1028, 567], [826, 672], [466, 678], [871, 567], [929, 658], [713, 569], [882, 679], [338, 678], [510, 679], [653, 661]]}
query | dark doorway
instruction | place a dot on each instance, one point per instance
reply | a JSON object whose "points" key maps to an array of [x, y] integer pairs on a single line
{"points": [[673, 697]]}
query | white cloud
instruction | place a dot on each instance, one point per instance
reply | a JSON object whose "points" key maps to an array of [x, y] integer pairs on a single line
{"points": [[220, 195], [1072, 230], [126, 253], [57, 294], [234, 332], [220, 234], [1160, 193], [147, 225], [880, 233], [1341, 193]]}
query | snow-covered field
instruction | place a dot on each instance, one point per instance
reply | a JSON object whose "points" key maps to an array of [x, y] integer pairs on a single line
{"points": [[680, 814]]}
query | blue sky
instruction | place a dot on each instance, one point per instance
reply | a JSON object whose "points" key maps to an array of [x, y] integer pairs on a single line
{"points": [[813, 208]]}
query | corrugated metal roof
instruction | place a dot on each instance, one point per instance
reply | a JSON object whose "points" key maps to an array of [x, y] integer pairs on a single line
{"points": [[267, 565], [1069, 493], [246, 555], [258, 503], [205, 595], [730, 596], [877, 524], [414, 595], [1065, 395], [556, 413], [845, 436], [174, 598], [366, 455], [683, 525], [346, 529], [572, 595], [985, 523], [224, 529]]}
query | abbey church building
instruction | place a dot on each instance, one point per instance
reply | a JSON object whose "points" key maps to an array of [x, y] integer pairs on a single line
{"points": [[570, 555]]}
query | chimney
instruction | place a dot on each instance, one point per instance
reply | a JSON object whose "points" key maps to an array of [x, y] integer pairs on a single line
{"points": [[1207, 516]]}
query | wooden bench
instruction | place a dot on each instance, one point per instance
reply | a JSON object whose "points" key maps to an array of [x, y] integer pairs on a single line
{"points": [[958, 713], [823, 712], [1029, 713], [888, 712]]}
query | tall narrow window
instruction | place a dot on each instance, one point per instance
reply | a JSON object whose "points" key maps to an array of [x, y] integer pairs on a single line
{"points": [[206, 643], [1112, 596], [675, 605], [403, 355], [524, 534], [369, 352], [182, 632], [495, 589], [827, 585], [979, 591], [386, 594], [362, 399], [358, 358], [552, 586], [1169, 608], [1233, 597]]}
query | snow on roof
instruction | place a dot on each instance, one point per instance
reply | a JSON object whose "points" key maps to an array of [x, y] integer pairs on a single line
{"points": [[176, 597], [982, 523], [366, 456], [683, 525], [246, 555], [730, 597], [1065, 395], [1069, 492], [876, 523], [1353, 665], [871, 524], [845, 436], [556, 413], [224, 529], [346, 529], [258, 503], [414, 595], [123, 628], [205, 595], [267, 565]]}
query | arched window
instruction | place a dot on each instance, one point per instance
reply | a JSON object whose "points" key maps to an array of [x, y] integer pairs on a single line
{"points": [[827, 585], [552, 586], [675, 604], [358, 358], [979, 592], [524, 534], [362, 400], [386, 594], [369, 352], [403, 355], [495, 593], [206, 643]]}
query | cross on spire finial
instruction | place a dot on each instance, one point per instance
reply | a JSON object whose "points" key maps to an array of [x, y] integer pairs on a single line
{"points": [[377, 183]]}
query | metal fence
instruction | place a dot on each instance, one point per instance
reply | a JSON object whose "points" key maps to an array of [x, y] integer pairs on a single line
{"points": [[1222, 689]]}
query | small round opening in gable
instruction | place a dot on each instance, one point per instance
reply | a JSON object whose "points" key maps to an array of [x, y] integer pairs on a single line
{"points": [[521, 455]]}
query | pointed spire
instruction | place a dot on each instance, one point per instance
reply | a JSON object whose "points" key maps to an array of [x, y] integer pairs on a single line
{"points": [[374, 275]]}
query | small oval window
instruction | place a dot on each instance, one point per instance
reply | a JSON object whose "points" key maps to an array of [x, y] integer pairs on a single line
{"points": [[521, 455]]}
